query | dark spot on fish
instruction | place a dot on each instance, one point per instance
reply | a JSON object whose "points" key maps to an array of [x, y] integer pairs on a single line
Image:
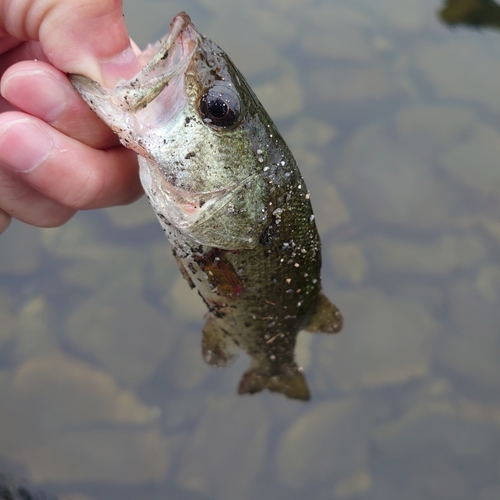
{"points": [[164, 219], [270, 233], [197, 250], [187, 120], [202, 202], [191, 154], [165, 55], [217, 312]]}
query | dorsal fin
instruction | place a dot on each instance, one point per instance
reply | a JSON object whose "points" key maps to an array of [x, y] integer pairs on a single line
{"points": [[326, 317]]}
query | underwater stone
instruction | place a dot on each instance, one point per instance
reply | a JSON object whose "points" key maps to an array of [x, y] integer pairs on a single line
{"points": [[329, 441], [124, 333], [226, 450], [388, 340], [392, 185], [473, 161], [64, 420]]}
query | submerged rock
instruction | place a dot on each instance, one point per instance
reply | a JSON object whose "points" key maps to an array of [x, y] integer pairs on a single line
{"points": [[131, 216], [330, 209], [430, 130], [357, 484], [64, 421], [434, 418], [351, 84], [342, 42], [473, 161], [7, 318], [470, 348], [20, 249], [121, 331], [326, 443], [226, 450], [188, 369], [310, 133], [448, 254], [392, 185], [34, 329], [404, 15], [386, 341], [474, 81], [349, 262], [282, 97]]}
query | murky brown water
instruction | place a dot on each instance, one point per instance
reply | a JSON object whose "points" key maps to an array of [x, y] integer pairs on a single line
{"points": [[395, 121]]}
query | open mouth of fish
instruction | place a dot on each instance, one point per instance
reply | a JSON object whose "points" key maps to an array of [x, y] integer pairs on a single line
{"points": [[163, 62]]}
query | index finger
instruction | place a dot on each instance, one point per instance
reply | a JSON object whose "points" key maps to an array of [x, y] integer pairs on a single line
{"points": [[86, 37]]}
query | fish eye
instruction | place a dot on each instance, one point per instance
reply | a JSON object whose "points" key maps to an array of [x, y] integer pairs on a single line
{"points": [[220, 105]]}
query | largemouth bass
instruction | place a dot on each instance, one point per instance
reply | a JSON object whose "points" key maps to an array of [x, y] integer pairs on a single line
{"points": [[231, 200]]}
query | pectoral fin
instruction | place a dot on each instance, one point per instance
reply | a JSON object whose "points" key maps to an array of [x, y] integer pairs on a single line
{"points": [[326, 317], [217, 347], [289, 380]]}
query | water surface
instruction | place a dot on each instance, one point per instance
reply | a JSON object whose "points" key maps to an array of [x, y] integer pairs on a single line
{"points": [[394, 118]]}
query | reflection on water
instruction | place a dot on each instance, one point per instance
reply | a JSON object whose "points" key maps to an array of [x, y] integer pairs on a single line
{"points": [[395, 122], [475, 13]]}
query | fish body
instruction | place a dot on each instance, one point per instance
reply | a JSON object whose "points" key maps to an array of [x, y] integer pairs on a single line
{"points": [[231, 200]]}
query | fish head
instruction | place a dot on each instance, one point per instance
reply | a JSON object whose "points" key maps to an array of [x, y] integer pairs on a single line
{"points": [[200, 133]]}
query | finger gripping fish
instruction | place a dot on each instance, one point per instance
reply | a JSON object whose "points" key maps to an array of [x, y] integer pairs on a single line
{"points": [[231, 200]]}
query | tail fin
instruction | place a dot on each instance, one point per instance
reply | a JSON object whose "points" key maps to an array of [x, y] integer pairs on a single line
{"points": [[289, 380]]}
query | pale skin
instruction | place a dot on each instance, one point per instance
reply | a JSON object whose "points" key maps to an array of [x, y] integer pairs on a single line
{"points": [[56, 156]]}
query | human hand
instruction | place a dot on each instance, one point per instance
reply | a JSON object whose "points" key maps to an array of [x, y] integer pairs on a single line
{"points": [[56, 156]]}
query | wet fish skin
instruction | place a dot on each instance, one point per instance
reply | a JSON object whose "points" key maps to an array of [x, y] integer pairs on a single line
{"points": [[231, 200]]}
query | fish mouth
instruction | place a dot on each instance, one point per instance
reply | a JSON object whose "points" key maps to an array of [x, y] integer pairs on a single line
{"points": [[165, 61]]}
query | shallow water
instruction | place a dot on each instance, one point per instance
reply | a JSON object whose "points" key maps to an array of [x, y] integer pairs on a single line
{"points": [[394, 119]]}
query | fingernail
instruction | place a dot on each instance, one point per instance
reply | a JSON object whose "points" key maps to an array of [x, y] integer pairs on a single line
{"points": [[124, 65], [23, 145], [48, 97]]}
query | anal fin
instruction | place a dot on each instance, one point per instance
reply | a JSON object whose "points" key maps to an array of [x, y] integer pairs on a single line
{"points": [[289, 381], [217, 347], [326, 317]]}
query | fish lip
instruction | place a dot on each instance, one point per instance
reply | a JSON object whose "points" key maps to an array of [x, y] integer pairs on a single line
{"points": [[175, 34], [162, 62]]}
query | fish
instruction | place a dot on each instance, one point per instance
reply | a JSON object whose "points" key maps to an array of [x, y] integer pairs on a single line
{"points": [[231, 200]]}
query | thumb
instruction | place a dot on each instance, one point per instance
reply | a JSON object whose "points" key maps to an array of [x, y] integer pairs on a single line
{"points": [[86, 37]]}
